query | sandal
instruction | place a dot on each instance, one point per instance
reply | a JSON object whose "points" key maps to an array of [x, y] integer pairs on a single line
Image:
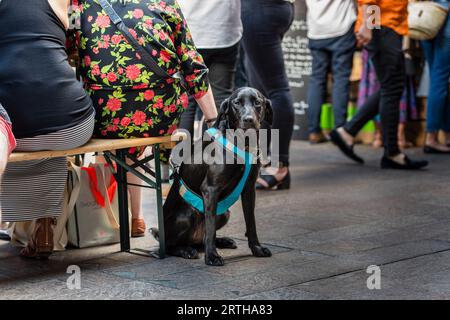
{"points": [[40, 245], [274, 184]]}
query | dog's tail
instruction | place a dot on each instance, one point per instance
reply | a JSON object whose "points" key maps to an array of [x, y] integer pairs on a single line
{"points": [[155, 233]]}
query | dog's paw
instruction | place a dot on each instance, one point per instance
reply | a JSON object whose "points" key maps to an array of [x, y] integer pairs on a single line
{"points": [[260, 251], [226, 243], [214, 259], [189, 253]]}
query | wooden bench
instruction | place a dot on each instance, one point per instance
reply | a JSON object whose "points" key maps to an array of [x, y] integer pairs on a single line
{"points": [[116, 150]]}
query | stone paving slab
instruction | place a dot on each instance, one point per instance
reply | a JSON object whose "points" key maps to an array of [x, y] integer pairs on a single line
{"points": [[338, 219]]}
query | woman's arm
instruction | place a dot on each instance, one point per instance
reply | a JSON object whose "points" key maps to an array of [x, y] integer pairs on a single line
{"points": [[7, 143], [208, 105]]}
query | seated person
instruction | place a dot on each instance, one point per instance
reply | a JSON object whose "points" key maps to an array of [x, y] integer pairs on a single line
{"points": [[49, 108], [130, 98]]}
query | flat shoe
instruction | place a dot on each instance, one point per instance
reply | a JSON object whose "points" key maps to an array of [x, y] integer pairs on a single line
{"points": [[137, 228], [387, 163], [344, 147], [432, 150]]}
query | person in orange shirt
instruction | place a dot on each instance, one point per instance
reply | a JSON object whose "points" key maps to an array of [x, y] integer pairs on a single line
{"points": [[380, 27]]}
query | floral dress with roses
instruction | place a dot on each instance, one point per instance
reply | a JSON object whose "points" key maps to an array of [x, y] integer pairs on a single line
{"points": [[130, 99]]}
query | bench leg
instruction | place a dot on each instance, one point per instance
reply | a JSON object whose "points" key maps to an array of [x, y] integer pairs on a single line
{"points": [[159, 201], [122, 190]]}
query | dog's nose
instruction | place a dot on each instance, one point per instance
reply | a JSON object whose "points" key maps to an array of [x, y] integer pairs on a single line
{"points": [[248, 119]]}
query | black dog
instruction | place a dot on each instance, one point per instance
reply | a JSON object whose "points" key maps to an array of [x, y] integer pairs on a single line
{"points": [[187, 228]]}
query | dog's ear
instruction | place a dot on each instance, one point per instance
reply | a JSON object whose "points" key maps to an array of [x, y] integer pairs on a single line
{"points": [[223, 113], [268, 112]]}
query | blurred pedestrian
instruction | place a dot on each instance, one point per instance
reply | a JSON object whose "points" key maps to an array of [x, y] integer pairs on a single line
{"points": [[437, 54], [332, 43], [384, 43], [265, 24], [216, 29]]}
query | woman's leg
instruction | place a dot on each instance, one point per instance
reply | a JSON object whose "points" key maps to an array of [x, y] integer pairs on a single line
{"points": [[35, 189], [437, 53], [264, 26]]}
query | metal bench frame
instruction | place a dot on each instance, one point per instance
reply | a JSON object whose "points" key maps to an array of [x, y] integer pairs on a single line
{"points": [[117, 150]]}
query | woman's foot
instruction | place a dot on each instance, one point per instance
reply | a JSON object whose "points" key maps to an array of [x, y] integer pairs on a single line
{"points": [[274, 179], [345, 142], [137, 228], [402, 162], [432, 145], [40, 246]]}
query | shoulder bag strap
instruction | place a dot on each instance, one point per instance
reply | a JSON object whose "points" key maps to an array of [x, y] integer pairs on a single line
{"points": [[146, 57]]}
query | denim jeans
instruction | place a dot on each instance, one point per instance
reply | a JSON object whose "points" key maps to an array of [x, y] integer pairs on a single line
{"points": [[265, 24], [437, 54], [385, 50], [222, 69], [335, 54]]}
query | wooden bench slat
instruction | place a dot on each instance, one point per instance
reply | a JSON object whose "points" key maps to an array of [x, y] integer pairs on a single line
{"points": [[98, 145]]}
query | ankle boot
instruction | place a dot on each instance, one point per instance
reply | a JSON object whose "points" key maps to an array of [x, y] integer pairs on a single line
{"points": [[40, 245]]}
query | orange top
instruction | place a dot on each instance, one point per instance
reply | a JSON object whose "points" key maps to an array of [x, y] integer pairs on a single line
{"points": [[394, 14]]}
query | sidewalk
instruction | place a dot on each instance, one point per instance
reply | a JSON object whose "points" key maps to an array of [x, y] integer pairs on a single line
{"points": [[338, 219]]}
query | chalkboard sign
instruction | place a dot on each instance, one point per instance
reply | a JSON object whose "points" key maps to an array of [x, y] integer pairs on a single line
{"points": [[298, 62]]}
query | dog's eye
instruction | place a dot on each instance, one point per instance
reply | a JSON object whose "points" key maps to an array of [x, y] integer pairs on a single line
{"points": [[237, 102]]}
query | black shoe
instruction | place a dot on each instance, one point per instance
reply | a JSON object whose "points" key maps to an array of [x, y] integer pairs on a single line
{"points": [[344, 147], [432, 150], [387, 163], [4, 235], [274, 184]]}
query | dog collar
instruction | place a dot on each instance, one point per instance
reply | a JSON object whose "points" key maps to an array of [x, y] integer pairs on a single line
{"points": [[196, 201]]}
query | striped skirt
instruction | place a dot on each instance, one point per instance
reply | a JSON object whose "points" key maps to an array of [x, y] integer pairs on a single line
{"points": [[35, 189]]}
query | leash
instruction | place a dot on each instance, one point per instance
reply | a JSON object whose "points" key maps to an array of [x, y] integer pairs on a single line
{"points": [[196, 201]]}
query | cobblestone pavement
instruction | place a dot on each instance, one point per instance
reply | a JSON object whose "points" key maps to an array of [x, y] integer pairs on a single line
{"points": [[338, 219]]}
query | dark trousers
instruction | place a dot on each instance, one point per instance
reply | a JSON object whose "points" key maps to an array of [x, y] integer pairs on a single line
{"points": [[265, 23], [385, 50], [222, 69], [335, 54]]}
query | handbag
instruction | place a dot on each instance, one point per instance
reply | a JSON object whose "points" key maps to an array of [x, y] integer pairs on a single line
{"points": [[94, 220], [146, 57], [425, 19]]}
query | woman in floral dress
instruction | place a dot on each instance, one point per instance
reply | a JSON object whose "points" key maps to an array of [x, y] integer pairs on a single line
{"points": [[130, 99]]}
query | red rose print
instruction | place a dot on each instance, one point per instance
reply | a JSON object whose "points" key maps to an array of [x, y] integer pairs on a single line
{"points": [[103, 21], [133, 33], [162, 35], [172, 129], [116, 121], [125, 121], [133, 72], [90, 18], [150, 122], [106, 38], [116, 39], [154, 52], [172, 108], [95, 50], [95, 70], [114, 104], [149, 94], [120, 70], [103, 76], [100, 101], [140, 86], [87, 61], [165, 56], [139, 118], [138, 13], [112, 77], [159, 104], [184, 100]]}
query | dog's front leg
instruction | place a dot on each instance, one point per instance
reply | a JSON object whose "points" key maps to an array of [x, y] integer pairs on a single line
{"points": [[248, 205], [210, 198]]}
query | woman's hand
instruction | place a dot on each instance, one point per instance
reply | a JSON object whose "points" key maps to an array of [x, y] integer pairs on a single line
{"points": [[364, 35]]}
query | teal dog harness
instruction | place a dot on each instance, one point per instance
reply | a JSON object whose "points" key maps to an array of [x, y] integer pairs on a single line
{"points": [[196, 201]]}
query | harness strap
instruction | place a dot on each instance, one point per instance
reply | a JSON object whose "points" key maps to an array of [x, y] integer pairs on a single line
{"points": [[196, 201]]}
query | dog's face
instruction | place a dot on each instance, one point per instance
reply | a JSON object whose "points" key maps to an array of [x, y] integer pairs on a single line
{"points": [[245, 109]]}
